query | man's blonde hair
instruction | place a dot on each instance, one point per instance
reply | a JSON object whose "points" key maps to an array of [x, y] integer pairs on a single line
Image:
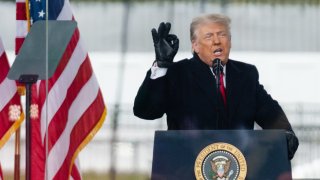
{"points": [[209, 18]]}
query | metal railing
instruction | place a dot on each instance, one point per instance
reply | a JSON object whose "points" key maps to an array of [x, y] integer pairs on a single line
{"points": [[136, 137]]}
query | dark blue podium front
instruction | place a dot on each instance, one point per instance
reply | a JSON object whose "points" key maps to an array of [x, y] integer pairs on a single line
{"points": [[265, 152]]}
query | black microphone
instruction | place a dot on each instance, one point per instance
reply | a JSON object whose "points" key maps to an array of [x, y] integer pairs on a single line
{"points": [[217, 70], [217, 66]]}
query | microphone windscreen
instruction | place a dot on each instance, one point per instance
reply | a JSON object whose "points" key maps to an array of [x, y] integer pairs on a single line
{"points": [[217, 66]]}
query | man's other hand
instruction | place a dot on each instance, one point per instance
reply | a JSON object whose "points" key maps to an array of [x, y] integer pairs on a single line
{"points": [[292, 143]]}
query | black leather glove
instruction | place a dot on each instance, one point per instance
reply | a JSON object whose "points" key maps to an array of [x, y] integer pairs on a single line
{"points": [[165, 45], [292, 143]]}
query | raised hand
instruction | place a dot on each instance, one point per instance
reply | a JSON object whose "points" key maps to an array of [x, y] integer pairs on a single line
{"points": [[165, 45]]}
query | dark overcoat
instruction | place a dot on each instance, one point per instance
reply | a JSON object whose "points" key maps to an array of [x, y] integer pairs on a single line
{"points": [[187, 94]]}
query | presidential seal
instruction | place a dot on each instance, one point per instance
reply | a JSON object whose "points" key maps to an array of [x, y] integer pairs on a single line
{"points": [[220, 161]]}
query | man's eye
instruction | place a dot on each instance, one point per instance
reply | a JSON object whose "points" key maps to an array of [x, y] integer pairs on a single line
{"points": [[208, 36], [223, 34]]}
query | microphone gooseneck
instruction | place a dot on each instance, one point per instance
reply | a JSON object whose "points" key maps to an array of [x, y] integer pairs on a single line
{"points": [[217, 66], [217, 70]]}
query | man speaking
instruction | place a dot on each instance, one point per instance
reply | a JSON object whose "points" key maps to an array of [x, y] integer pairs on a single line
{"points": [[208, 91]]}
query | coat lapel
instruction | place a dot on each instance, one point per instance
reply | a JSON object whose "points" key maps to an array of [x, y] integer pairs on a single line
{"points": [[205, 79], [234, 84]]}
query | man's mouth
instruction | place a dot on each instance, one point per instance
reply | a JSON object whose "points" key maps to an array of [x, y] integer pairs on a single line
{"points": [[217, 52]]}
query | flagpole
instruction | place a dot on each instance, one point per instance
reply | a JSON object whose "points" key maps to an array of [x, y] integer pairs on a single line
{"points": [[17, 155], [21, 91]]}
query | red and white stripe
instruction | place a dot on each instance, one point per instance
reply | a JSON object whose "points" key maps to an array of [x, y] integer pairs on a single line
{"points": [[21, 23], [8, 87], [1, 175], [8, 98]]}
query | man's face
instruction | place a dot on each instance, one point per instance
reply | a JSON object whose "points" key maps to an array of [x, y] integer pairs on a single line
{"points": [[212, 41]]}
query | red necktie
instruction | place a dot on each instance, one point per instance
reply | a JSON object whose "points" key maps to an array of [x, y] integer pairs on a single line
{"points": [[222, 90]]}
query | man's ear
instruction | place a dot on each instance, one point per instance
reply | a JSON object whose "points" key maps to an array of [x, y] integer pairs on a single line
{"points": [[195, 47]]}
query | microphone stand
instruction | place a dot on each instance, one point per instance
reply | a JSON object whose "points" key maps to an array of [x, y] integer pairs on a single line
{"points": [[216, 67]]}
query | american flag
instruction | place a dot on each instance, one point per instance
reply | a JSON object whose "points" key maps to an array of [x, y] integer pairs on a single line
{"points": [[23, 25], [10, 106], [11, 115], [1, 176], [76, 109]]}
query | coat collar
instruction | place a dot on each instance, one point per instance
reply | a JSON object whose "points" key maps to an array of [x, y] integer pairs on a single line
{"points": [[206, 80], [204, 77], [235, 87]]}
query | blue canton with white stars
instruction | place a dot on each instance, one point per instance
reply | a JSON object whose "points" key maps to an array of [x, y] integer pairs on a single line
{"points": [[38, 9]]}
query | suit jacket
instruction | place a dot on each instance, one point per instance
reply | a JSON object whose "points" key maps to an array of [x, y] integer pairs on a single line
{"points": [[188, 96]]}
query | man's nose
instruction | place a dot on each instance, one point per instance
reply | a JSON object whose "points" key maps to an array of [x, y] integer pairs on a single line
{"points": [[216, 40]]}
